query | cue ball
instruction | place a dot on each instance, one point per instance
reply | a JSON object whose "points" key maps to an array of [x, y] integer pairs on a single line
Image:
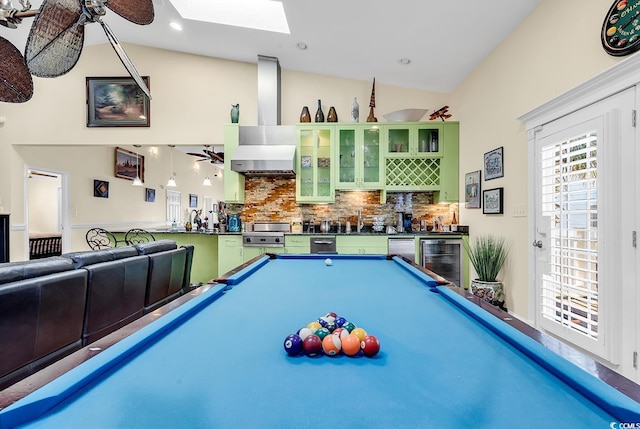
{"points": [[312, 345], [328, 261], [370, 345], [293, 345]]}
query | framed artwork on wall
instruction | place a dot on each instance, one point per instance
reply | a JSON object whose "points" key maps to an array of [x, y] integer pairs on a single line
{"points": [[193, 200], [150, 195], [493, 201], [129, 164], [100, 189], [117, 102], [472, 190], [494, 164]]}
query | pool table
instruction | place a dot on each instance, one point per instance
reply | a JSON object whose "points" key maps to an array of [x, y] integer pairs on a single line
{"points": [[218, 361]]}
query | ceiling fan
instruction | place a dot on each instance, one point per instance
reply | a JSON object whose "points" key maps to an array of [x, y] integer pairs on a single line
{"points": [[209, 155], [56, 39]]}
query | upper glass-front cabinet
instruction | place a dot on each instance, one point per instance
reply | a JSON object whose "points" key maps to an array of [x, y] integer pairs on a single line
{"points": [[359, 157], [314, 177], [419, 139]]}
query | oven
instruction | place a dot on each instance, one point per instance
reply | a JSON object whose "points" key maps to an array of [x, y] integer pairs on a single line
{"points": [[266, 234]]}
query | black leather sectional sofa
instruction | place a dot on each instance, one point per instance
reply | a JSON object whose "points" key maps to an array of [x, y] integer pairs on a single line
{"points": [[52, 307]]}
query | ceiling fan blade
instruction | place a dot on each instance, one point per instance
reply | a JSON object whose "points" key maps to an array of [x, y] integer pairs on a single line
{"points": [[55, 40], [136, 11], [16, 85], [128, 64], [197, 154]]}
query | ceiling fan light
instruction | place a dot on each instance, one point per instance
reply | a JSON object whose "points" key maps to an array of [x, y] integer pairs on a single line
{"points": [[171, 183], [207, 181], [137, 181]]}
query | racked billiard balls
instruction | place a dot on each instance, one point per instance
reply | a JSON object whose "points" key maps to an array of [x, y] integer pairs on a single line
{"points": [[370, 346], [351, 345], [293, 344], [312, 345]]}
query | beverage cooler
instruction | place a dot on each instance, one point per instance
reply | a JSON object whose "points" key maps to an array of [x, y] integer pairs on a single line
{"points": [[443, 257]]}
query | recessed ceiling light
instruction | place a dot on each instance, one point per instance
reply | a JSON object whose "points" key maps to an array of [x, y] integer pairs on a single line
{"points": [[175, 25], [404, 61], [264, 15], [301, 45]]}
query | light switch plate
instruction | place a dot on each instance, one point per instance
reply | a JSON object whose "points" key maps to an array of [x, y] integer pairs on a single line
{"points": [[519, 211]]}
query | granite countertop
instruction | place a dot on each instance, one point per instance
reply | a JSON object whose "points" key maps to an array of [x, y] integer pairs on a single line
{"points": [[355, 234]]}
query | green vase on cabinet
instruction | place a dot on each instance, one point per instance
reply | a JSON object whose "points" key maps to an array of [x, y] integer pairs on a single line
{"points": [[319, 113]]}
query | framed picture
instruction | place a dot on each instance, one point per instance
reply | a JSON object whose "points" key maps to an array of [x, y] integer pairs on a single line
{"points": [[193, 200], [472, 190], [116, 102], [493, 201], [100, 189], [150, 195], [493, 164], [129, 164]]}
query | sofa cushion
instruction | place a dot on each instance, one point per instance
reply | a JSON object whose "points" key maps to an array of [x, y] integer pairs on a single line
{"points": [[84, 258], [15, 271], [156, 246]]}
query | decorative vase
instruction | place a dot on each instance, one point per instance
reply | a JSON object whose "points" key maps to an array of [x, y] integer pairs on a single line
{"points": [[305, 116], [492, 292], [332, 116], [187, 226], [235, 113], [355, 110], [319, 113]]}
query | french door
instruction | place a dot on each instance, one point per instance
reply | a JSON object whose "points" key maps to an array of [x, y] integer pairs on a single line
{"points": [[585, 208]]}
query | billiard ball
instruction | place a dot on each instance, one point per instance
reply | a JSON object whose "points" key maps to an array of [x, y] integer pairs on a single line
{"points": [[322, 332], [330, 317], [328, 261], [349, 326], [312, 345], [351, 345], [331, 345], [293, 345], [360, 333], [340, 321], [305, 332], [314, 326], [370, 345], [331, 326], [341, 333], [322, 322]]}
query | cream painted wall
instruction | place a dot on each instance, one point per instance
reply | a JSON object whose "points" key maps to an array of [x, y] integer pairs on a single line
{"points": [[545, 56]]}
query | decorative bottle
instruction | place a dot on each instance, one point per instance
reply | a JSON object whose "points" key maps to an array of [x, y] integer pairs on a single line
{"points": [[332, 116], [319, 113], [235, 113], [305, 116], [355, 110]]}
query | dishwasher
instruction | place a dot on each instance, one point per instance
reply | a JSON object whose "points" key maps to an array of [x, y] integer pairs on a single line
{"points": [[323, 244], [404, 247]]}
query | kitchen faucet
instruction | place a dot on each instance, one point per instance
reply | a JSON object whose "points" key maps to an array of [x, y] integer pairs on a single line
{"points": [[359, 227]]}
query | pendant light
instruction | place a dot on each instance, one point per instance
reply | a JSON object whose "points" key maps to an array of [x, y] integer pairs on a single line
{"points": [[207, 181], [137, 181], [171, 183]]}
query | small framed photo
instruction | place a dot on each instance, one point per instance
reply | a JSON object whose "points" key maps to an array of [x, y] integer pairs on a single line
{"points": [[117, 102], [472, 190], [129, 164], [100, 189], [150, 195], [494, 164], [493, 201], [193, 200]]}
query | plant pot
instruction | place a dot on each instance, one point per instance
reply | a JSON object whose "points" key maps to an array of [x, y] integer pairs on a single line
{"points": [[492, 292]]}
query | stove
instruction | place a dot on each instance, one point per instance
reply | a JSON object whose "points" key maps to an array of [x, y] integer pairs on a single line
{"points": [[266, 234]]}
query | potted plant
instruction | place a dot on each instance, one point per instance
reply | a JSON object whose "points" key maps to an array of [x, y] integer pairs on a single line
{"points": [[487, 254]]}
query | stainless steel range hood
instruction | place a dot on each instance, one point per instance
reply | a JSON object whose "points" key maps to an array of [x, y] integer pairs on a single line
{"points": [[267, 149]]}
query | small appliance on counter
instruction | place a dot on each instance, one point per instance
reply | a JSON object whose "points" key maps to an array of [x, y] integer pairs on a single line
{"points": [[234, 224]]}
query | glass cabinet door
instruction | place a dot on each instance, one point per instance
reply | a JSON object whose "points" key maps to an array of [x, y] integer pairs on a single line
{"points": [[371, 171], [306, 149], [430, 140], [398, 140], [314, 177], [323, 163], [347, 156]]}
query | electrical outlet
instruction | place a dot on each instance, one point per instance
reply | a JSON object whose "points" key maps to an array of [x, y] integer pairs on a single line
{"points": [[519, 211]]}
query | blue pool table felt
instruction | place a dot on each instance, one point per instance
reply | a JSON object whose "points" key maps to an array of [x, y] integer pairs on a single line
{"points": [[439, 367]]}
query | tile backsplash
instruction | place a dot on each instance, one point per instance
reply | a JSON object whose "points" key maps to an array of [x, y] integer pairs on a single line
{"points": [[273, 199]]}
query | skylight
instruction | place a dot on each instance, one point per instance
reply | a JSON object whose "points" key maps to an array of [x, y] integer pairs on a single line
{"points": [[264, 15]]}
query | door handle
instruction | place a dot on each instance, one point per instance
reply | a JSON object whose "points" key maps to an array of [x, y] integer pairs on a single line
{"points": [[537, 244]]}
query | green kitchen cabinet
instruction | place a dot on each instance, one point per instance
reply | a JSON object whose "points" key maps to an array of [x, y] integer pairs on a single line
{"points": [[361, 244], [230, 253], [251, 252], [359, 157], [233, 182], [449, 165], [314, 166], [297, 244]]}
